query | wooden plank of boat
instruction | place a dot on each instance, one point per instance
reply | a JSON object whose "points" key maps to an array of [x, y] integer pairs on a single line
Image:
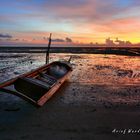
{"points": [[38, 85]]}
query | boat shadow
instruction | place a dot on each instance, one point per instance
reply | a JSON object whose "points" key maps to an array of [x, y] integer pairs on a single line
{"points": [[14, 109]]}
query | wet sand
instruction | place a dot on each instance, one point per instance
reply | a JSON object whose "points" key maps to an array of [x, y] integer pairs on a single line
{"points": [[99, 97]]}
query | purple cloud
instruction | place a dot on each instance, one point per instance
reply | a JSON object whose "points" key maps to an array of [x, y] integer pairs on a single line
{"points": [[68, 40], [58, 40], [5, 36]]}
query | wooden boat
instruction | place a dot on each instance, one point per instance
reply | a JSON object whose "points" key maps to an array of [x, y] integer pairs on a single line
{"points": [[39, 85]]}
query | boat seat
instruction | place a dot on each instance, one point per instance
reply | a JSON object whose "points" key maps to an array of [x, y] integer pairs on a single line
{"points": [[32, 88], [47, 78], [32, 81]]}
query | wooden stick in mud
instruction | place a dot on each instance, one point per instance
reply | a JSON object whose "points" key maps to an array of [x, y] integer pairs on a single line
{"points": [[48, 50], [69, 59]]}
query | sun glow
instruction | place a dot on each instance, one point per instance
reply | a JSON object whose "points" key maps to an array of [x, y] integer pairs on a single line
{"points": [[90, 21]]}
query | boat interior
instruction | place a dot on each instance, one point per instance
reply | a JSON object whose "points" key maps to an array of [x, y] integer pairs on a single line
{"points": [[35, 87]]}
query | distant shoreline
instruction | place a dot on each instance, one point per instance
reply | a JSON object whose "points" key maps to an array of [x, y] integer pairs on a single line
{"points": [[132, 51]]}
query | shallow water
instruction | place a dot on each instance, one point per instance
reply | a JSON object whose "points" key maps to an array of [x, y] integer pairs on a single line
{"points": [[91, 68], [96, 78], [109, 69]]}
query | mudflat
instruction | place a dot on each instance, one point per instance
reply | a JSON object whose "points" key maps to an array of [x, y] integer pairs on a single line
{"points": [[101, 100]]}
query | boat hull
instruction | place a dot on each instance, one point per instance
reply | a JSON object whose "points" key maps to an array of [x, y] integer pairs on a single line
{"points": [[39, 85]]}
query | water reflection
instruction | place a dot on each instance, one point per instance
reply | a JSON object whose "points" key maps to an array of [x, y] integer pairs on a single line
{"points": [[88, 68], [96, 79]]}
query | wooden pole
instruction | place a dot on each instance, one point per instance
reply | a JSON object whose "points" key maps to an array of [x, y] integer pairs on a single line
{"points": [[48, 49], [69, 59]]}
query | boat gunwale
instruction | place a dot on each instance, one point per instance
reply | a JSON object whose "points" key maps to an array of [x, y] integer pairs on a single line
{"points": [[31, 73], [51, 91]]}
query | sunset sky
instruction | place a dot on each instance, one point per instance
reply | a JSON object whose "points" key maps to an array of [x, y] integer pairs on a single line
{"points": [[78, 21]]}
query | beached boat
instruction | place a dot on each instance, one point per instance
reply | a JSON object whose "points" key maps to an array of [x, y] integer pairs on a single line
{"points": [[39, 85]]}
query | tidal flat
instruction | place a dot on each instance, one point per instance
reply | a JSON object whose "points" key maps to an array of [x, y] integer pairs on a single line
{"points": [[102, 94]]}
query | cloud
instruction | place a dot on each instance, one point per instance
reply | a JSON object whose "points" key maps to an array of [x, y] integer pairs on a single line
{"points": [[5, 36], [58, 40], [68, 40], [122, 26], [75, 18], [44, 38], [69, 11], [73, 12], [85, 11]]}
